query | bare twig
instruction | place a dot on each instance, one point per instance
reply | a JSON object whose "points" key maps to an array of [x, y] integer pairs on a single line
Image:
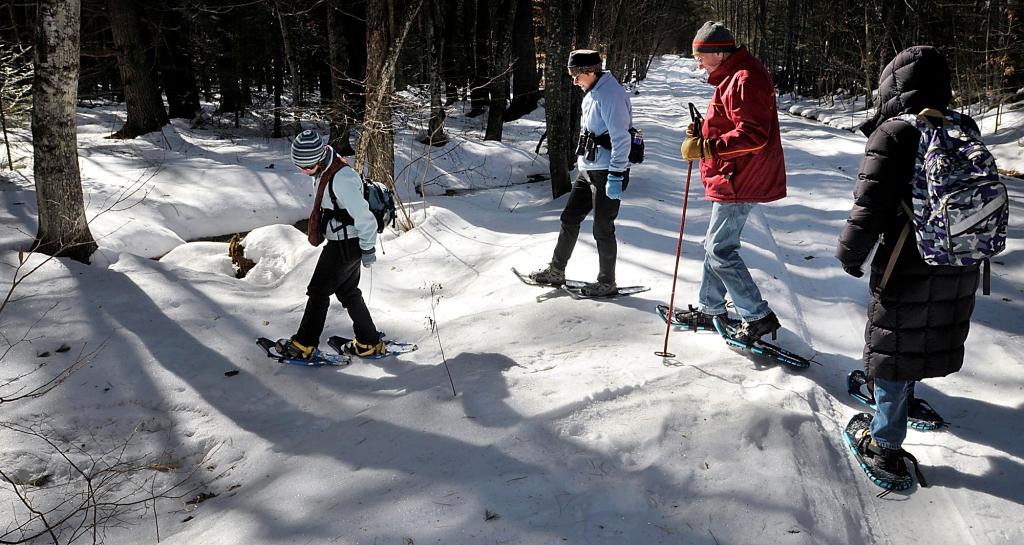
{"points": [[434, 288]]}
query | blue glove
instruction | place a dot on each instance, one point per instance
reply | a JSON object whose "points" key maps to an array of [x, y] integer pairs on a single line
{"points": [[369, 257], [614, 186]]}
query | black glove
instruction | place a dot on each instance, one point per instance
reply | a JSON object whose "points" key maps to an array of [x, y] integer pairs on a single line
{"points": [[853, 271]]}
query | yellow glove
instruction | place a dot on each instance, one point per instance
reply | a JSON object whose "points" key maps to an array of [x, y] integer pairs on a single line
{"points": [[689, 130], [695, 149]]}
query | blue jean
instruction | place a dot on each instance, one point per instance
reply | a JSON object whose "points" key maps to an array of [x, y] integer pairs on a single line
{"points": [[724, 270], [889, 425]]}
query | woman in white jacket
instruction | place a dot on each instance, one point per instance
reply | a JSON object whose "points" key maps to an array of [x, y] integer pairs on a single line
{"points": [[604, 172]]}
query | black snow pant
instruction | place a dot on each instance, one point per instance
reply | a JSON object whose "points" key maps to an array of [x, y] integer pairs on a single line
{"points": [[336, 273], [588, 193]]}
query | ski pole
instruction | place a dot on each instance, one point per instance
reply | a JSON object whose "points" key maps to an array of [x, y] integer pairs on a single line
{"points": [[664, 353]]}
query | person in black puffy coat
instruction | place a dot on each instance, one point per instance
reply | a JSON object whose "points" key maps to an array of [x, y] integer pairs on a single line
{"points": [[918, 322]]}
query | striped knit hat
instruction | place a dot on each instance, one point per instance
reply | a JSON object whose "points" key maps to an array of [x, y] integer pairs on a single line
{"points": [[714, 37], [308, 149]]}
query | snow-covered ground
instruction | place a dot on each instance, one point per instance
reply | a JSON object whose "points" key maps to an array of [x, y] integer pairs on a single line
{"points": [[565, 428], [1002, 126]]}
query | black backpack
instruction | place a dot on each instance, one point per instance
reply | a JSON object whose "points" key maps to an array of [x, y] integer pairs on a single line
{"points": [[636, 146]]}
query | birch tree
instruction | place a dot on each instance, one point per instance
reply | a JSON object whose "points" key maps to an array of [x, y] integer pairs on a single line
{"points": [[63, 229]]}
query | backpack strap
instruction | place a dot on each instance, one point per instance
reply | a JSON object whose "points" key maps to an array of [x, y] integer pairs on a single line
{"points": [[986, 277], [339, 214], [899, 246], [935, 118]]}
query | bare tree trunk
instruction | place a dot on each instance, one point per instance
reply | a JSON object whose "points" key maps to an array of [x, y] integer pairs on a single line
{"points": [[456, 59], [434, 19], [177, 75], [1014, 60], [353, 20], [146, 111], [63, 229], [869, 53], [376, 148], [478, 95], [228, 77], [338, 56], [556, 93], [7, 140], [582, 31], [278, 90], [500, 42], [292, 67], [618, 48], [525, 78], [584, 24]]}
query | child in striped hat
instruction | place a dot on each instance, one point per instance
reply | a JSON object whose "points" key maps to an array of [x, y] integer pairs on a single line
{"points": [[341, 216]]}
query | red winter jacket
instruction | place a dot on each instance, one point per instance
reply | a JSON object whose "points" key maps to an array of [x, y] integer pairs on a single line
{"points": [[743, 126]]}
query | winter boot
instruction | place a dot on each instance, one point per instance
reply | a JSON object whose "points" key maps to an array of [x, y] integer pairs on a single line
{"points": [[750, 332], [884, 466], [291, 349], [695, 320], [550, 275], [599, 289], [356, 348]]}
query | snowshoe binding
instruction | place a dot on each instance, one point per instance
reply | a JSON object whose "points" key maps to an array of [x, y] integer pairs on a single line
{"points": [[693, 319], [287, 351], [548, 276], [578, 289], [760, 347], [751, 332], [383, 349]]}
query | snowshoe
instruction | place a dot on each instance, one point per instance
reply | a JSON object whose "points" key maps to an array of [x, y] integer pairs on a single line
{"points": [[600, 290], [579, 289], [315, 358], [528, 280], [885, 467], [385, 348], [920, 415], [761, 348]]}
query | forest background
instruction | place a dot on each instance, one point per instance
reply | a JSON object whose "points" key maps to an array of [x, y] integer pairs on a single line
{"points": [[340, 62]]}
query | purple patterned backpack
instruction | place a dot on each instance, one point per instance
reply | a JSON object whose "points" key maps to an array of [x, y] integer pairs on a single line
{"points": [[960, 208]]}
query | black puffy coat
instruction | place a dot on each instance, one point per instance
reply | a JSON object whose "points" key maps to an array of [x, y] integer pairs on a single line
{"points": [[918, 324]]}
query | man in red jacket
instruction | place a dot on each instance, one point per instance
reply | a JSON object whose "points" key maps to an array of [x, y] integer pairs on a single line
{"points": [[741, 164]]}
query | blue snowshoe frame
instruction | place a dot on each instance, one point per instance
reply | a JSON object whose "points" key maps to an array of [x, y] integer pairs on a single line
{"points": [[762, 348]]}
